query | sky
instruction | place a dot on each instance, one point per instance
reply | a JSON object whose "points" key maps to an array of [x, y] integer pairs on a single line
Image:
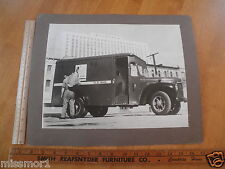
{"points": [[165, 39]]}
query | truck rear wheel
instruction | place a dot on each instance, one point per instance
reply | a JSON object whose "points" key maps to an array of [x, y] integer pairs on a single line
{"points": [[98, 111], [160, 103], [175, 108], [79, 108]]}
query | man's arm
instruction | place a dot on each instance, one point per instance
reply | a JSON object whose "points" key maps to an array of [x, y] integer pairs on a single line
{"points": [[62, 91], [64, 87], [78, 79]]}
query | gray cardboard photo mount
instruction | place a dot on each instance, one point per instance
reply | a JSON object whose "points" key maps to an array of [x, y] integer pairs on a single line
{"points": [[36, 135]]}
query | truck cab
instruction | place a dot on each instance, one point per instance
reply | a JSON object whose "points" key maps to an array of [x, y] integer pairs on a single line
{"points": [[117, 80]]}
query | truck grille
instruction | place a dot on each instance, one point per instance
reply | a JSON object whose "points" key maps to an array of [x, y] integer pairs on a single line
{"points": [[180, 93]]}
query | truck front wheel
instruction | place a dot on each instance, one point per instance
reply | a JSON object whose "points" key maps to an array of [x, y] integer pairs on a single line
{"points": [[98, 111], [160, 103]]}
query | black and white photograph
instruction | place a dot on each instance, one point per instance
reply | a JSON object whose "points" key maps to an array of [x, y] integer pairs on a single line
{"points": [[114, 76]]}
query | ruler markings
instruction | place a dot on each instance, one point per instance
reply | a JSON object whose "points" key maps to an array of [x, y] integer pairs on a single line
{"points": [[107, 155], [58, 155], [22, 133], [20, 87], [110, 152], [22, 90]]}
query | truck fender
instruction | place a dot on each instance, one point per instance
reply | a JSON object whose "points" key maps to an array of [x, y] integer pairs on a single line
{"points": [[149, 90]]}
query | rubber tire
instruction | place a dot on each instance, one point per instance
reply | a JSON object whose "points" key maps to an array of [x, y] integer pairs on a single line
{"points": [[175, 108], [84, 114], [98, 111], [167, 100], [81, 111]]}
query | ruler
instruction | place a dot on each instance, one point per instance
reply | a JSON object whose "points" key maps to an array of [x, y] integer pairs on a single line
{"points": [[19, 129], [71, 156]]}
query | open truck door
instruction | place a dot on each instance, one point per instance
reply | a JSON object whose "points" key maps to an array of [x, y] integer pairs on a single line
{"points": [[134, 81], [121, 81]]}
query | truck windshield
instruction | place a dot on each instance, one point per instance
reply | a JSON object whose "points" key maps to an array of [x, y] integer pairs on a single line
{"points": [[143, 71], [146, 73], [140, 69], [136, 70]]}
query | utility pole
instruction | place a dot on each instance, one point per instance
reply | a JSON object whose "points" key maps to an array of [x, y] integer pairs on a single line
{"points": [[153, 56]]}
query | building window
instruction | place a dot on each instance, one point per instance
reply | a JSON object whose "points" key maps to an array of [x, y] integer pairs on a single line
{"points": [[171, 74], [165, 73], [176, 74], [49, 67], [159, 73], [153, 73]]}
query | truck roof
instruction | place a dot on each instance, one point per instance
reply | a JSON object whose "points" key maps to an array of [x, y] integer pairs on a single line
{"points": [[99, 57]]}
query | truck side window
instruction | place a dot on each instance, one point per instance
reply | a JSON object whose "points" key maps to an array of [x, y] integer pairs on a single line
{"points": [[133, 69], [140, 69]]}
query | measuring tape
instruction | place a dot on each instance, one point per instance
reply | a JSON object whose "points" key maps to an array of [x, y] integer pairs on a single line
{"points": [[66, 155], [19, 129]]}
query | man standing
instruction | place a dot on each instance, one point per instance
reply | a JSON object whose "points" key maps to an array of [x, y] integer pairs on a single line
{"points": [[68, 93]]}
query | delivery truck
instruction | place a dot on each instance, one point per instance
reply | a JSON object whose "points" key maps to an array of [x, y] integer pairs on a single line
{"points": [[117, 80]]}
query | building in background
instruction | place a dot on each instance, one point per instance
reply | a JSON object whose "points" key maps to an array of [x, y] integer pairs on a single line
{"points": [[167, 71], [95, 44], [163, 71], [48, 79]]}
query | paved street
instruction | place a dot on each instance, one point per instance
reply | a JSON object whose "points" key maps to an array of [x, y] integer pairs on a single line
{"points": [[138, 117]]}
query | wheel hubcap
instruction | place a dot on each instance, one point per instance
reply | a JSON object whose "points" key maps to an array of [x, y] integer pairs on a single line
{"points": [[159, 103], [76, 107]]}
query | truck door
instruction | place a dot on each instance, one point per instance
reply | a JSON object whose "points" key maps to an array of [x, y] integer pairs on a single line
{"points": [[121, 81], [134, 82]]}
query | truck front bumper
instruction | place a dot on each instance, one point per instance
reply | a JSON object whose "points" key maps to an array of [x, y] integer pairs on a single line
{"points": [[182, 99]]}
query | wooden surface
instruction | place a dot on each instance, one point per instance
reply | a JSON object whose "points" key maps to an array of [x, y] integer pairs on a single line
{"points": [[209, 27]]}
